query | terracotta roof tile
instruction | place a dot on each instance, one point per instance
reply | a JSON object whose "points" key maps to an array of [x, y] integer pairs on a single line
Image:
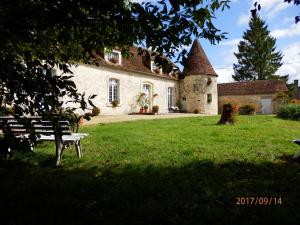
{"points": [[198, 63], [252, 87], [136, 63]]}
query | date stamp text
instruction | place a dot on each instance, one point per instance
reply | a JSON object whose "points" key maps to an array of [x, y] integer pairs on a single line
{"points": [[258, 201]]}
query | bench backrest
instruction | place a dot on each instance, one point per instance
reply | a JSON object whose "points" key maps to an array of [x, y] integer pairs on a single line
{"points": [[37, 127], [46, 127]]}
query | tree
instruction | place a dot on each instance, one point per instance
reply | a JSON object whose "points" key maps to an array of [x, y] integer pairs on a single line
{"points": [[257, 56], [36, 37]]}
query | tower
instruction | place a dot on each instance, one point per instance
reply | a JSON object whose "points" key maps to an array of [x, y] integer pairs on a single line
{"points": [[199, 86]]}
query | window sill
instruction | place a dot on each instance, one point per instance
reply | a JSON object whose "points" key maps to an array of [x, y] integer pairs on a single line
{"points": [[111, 106]]}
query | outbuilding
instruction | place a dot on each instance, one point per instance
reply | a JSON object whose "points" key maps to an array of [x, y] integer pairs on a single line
{"points": [[265, 95]]}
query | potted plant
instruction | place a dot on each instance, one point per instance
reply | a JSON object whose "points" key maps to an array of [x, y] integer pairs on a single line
{"points": [[115, 103], [95, 111], [155, 109], [142, 110], [146, 108], [141, 101]]}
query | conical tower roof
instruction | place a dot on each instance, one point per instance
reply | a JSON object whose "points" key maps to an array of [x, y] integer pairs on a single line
{"points": [[198, 63]]}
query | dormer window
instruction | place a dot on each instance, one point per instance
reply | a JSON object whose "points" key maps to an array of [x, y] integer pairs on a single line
{"points": [[155, 68], [114, 57]]}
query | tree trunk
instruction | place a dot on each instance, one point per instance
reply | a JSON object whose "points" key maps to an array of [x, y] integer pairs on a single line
{"points": [[58, 141], [227, 115]]}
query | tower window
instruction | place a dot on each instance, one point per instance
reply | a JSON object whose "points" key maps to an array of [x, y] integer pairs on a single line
{"points": [[209, 98]]}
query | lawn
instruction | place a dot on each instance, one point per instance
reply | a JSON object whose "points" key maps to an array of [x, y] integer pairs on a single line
{"points": [[174, 171]]}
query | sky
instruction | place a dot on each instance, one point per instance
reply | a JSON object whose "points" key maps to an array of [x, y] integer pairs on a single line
{"points": [[280, 18]]}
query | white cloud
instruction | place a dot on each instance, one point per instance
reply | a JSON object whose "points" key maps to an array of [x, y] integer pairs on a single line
{"points": [[272, 7], [225, 75], [225, 71], [232, 42], [291, 61], [243, 19], [280, 7], [292, 31]]}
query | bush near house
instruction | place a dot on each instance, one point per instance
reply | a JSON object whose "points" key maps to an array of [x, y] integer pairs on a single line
{"points": [[95, 111], [295, 101], [247, 109], [179, 104], [155, 109], [233, 102], [290, 111]]}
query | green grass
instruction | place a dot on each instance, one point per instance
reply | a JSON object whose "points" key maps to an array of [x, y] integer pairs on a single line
{"points": [[176, 171]]}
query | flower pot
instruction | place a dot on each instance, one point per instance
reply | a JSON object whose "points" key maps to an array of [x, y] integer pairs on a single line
{"points": [[145, 110], [81, 120], [142, 110]]}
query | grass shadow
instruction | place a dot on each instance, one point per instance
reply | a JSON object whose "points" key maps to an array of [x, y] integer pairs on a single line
{"points": [[201, 192]]}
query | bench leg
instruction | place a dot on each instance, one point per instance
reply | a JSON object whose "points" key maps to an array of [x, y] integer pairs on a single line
{"points": [[32, 146], [59, 152], [78, 148]]}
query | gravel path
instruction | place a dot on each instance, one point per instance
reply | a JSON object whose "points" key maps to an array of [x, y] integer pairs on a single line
{"points": [[122, 118]]}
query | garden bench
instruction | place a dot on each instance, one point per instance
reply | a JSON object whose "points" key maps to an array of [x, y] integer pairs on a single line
{"points": [[37, 130]]}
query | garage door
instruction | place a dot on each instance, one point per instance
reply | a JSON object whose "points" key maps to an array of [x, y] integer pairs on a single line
{"points": [[266, 106]]}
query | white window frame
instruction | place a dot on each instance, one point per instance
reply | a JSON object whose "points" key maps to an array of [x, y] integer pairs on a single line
{"points": [[154, 67], [170, 92], [150, 93], [113, 90], [107, 54]]}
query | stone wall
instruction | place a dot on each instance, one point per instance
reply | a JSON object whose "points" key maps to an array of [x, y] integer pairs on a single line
{"points": [[95, 80], [249, 99], [195, 88]]}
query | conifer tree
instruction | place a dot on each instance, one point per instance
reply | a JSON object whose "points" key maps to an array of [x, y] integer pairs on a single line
{"points": [[257, 56]]}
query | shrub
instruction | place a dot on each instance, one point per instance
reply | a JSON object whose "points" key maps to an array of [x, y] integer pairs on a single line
{"points": [[289, 112], [95, 111], [179, 105], [235, 104], [115, 103], [295, 101], [155, 109], [247, 109]]}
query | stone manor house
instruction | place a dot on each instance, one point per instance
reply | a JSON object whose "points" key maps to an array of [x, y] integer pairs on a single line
{"points": [[118, 83]]}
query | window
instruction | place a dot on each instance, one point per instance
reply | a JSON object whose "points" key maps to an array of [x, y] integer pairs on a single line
{"points": [[155, 68], [113, 57], [170, 97], [113, 90], [147, 90], [209, 98]]}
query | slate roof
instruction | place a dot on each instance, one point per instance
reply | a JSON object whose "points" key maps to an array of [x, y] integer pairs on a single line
{"points": [[136, 63], [198, 63], [252, 87]]}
